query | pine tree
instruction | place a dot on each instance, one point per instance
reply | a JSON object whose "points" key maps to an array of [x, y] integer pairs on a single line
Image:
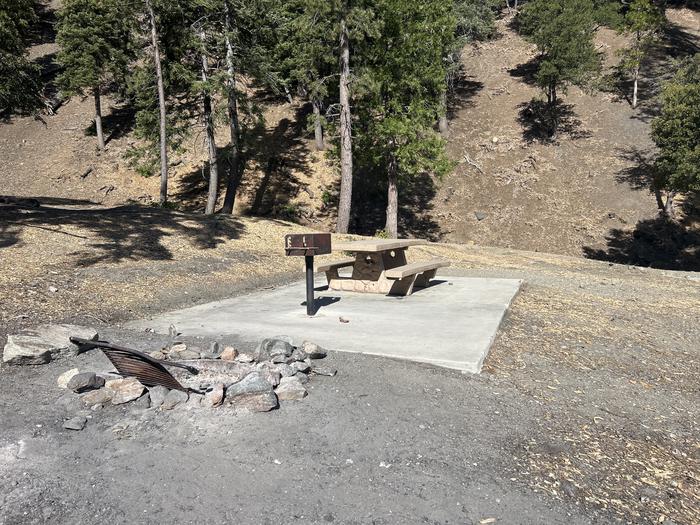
{"points": [[93, 36], [676, 132], [19, 84], [563, 33], [642, 21], [400, 92]]}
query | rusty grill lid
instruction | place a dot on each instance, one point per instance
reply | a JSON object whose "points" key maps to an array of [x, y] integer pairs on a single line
{"points": [[302, 244]]}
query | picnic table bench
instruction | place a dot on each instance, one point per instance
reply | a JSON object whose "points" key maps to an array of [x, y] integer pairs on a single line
{"points": [[380, 266]]}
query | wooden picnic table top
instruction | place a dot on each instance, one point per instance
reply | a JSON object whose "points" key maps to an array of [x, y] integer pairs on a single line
{"points": [[377, 245]]}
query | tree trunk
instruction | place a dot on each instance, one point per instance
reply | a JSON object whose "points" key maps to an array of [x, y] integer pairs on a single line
{"points": [[668, 207], [392, 206], [235, 158], [635, 89], [345, 134], [318, 126], [211, 141], [442, 118], [161, 107], [98, 119], [659, 199]]}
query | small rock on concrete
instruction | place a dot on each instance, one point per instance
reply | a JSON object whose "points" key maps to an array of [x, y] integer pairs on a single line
{"points": [[229, 354], [252, 393], [39, 345], [214, 351], [76, 423], [215, 396], [178, 347], [65, 377], [85, 381], [160, 356], [184, 355], [480, 215], [124, 390], [324, 371], [157, 394], [313, 350], [173, 399], [290, 389], [97, 397]]}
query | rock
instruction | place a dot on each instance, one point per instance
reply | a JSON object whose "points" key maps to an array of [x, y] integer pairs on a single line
{"points": [[313, 350], [252, 393], [290, 389], [173, 399], [43, 343], [124, 390], [299, 355], [244, 358], [494, 140], [65, 377], [269, 373], [97, 397], [285, 370], [178, 347], [215, 396], [324, 371], [214, 351], [273, 347], [76, 423], [229, 354], [160, 356], [85, 381], [53, 289], [157, 395], [301, 366], [184, 355], [143, 402], [302, 377], [480, 215]]}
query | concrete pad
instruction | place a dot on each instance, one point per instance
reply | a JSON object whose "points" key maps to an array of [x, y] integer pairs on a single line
{"points": [[452, 323]]}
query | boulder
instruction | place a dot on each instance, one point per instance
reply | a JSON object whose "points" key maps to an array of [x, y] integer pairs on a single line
{"points": [[39, 345], [173, 399], [76, 423], [290, 389], [252, 393], [244, 358], [215, 396], [143, 402], [97, 397], [157, 394], [63, 379], [302, 377], [285, 370], [229, 354], [85, 381], [299, 355], [301, 366], [124, 390], [313, 350], [269, 373], [269, 348]]}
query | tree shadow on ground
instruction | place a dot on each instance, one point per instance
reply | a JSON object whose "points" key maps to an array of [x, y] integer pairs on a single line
{"points": [[118, 123], [129, 232], [526, 71], [539, 120], [462, 90], [657, 68], [415, 206], [658, 242]]}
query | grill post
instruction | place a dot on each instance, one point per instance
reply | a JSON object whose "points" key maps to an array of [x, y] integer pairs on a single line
{"points": [[308, 245], [310, 302]]}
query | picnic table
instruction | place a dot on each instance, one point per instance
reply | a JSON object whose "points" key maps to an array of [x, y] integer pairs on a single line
{"points": [[380, 266]]}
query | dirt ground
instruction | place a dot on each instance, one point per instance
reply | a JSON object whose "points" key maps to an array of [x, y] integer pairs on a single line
{"points": [[588, 405]]}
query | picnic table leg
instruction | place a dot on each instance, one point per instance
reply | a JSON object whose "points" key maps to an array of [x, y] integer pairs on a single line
{"points": [[403, 286], [310, 285], [423, 279]]}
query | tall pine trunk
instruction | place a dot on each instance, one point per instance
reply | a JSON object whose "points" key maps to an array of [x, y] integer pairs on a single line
{"points": [[392, 205], [161, 106], [98, 119], [345, 201], [211, 141], [234, 173], [318, 125]]}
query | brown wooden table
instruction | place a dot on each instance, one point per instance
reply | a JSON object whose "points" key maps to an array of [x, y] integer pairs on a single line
{"points": [[380, 266]]}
